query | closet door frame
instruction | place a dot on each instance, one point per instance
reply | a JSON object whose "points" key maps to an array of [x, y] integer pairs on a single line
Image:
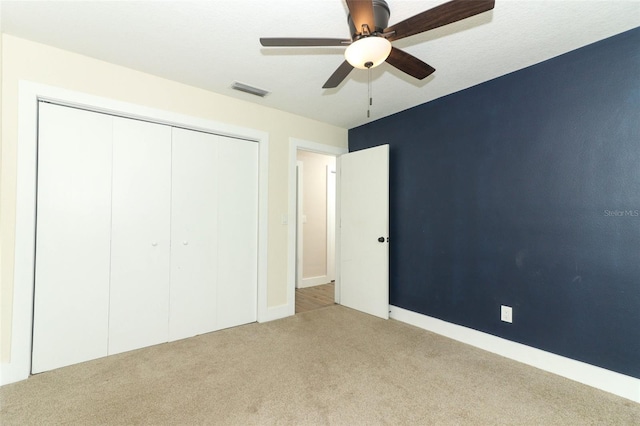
{"points": [[29, 95]]}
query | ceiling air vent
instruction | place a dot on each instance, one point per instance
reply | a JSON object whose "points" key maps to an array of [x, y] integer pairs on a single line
{"points": [[249, 89]]}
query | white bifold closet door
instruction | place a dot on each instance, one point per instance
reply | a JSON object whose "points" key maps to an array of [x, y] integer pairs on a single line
{"points": [[194, 234], [237, 232], [140, 235], [73, 242], [214, 233], [146, 233]]}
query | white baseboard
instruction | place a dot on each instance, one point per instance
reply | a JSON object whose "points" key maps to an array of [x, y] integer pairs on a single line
{"points": [[314, 281], [597, 377], [13, 372]]}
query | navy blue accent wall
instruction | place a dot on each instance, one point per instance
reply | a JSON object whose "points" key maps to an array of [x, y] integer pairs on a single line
{"points": [[525, 191]]}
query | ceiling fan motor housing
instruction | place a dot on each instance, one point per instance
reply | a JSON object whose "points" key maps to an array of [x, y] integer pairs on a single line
{"points": [[381, 15]]}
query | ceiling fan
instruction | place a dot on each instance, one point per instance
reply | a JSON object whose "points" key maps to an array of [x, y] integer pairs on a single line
{"points": [[370, 43]]}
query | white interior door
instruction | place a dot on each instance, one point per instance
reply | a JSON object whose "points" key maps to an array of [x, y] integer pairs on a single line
{"points": [[140, 252], [364, 219], [194, 233], [71, 305]]}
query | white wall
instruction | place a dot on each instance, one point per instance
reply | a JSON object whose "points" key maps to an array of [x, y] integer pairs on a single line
{"points": [[25, 60]]}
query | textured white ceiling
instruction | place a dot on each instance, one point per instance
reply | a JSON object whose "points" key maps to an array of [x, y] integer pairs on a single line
{"points": [[209, 44]]}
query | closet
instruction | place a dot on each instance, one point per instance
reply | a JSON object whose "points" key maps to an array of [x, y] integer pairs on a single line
{"points": [[145, 233]]}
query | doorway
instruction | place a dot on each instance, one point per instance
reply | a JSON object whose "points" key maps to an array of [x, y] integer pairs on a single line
{"points": [[315, 228], [312, 225]]}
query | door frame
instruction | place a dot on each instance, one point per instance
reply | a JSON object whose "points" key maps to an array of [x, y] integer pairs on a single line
{"points": [[332, 212], [290, 219], [29, 94], [299, 222]]}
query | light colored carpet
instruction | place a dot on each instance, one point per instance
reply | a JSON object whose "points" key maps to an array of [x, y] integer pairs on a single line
{"points": [[327, 366]]}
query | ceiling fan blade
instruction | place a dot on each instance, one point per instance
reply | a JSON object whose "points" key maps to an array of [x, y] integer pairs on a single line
{"points": [[444, 14], [338, 75], [293, 42], [361, 12], [409, 64]]}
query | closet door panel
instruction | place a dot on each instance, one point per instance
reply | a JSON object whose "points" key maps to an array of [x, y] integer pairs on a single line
{"points": [[71, 297], [237, 232], [194, 218], [140, 251]]}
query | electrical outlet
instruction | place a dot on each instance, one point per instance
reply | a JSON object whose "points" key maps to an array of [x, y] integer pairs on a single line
{"points": [[506, 313]]}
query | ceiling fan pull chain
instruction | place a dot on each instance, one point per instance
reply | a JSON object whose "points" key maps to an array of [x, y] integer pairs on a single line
{"points": [[369, 92]]}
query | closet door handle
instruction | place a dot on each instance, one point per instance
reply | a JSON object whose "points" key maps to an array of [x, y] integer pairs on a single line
{"points": [[154, 244], [185, 243]]}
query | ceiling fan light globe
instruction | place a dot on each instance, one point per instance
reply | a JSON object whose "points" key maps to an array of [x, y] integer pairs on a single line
{"points": [[368, 49]]}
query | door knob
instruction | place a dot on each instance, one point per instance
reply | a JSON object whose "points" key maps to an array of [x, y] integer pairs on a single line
{"points": [[185, 243], [154, 244], [381, 240]]}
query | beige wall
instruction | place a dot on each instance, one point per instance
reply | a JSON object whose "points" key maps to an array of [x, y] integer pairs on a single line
{"points": [[314, 180], [25, 60]]}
